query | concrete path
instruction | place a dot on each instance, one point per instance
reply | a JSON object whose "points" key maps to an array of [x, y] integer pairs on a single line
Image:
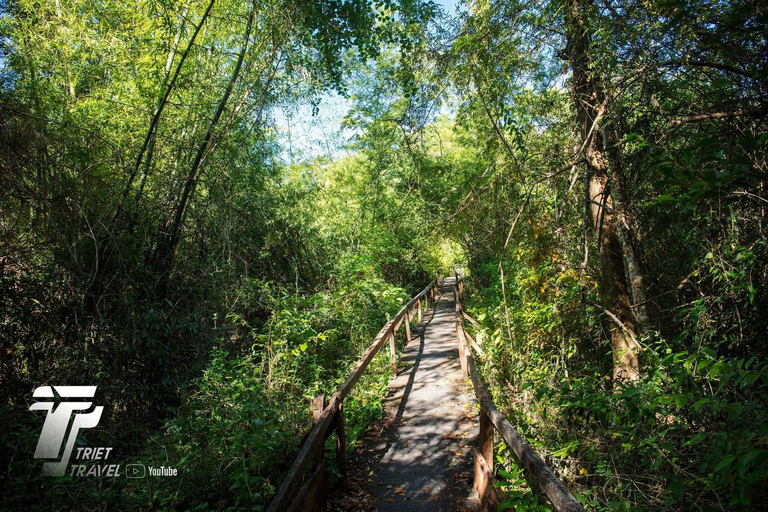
{"points": [[418, 457]]}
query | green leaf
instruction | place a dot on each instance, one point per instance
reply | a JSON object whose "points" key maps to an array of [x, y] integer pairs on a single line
{"points": [[717, 369], [725, 461], [677, 488], [696, 439]]}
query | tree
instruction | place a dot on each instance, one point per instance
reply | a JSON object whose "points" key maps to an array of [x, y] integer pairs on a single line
{"points": [[590, 105]]}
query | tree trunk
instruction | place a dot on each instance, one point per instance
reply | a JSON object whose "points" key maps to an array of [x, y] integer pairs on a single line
{"points": [[147, 149], [626, 230], [162, 100], [171, 230], [589, 98]]}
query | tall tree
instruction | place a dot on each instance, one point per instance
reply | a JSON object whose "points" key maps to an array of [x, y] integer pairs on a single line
{"points": [[590, 104]]}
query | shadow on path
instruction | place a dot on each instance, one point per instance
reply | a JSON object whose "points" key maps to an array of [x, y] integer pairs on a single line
{"points": [[418, 457]]}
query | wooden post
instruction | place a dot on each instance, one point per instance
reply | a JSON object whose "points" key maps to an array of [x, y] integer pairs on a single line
{"points": [[489, 496], [318, 404], [465, 370], [419, 310], [408, 327], [341, 441], [462, 352], [486, 438], [392, 353]]}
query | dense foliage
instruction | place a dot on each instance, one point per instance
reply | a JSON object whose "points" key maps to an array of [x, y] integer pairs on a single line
{"points": [[675, 103], [597, 170]]}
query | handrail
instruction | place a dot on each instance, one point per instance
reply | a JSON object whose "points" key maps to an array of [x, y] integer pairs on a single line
{"points": [[310, 496], [490, 416]]}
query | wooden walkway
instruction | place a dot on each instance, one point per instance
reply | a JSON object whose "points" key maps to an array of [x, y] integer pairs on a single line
{"points": [[419, 457], [434, 449]]}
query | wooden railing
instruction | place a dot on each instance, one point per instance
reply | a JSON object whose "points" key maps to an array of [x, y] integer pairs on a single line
{"points": [[329, 418], [490, 418]]}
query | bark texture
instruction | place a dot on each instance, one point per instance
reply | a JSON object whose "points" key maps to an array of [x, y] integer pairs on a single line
{"points": [[626, 226], [589, 98]]}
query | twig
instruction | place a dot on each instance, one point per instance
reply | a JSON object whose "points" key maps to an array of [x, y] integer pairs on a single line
{"points": [[615, 319], [714, 115]]}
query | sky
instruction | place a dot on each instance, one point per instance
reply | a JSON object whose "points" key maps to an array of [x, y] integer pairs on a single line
{"points": [[304, 136], [448, 5]]}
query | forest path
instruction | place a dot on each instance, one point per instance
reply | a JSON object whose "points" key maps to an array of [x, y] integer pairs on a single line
{"points": [[419, 456]]}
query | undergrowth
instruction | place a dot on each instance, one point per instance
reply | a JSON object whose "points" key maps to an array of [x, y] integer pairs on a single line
{"points": [[240, 425], [692, 433]]}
